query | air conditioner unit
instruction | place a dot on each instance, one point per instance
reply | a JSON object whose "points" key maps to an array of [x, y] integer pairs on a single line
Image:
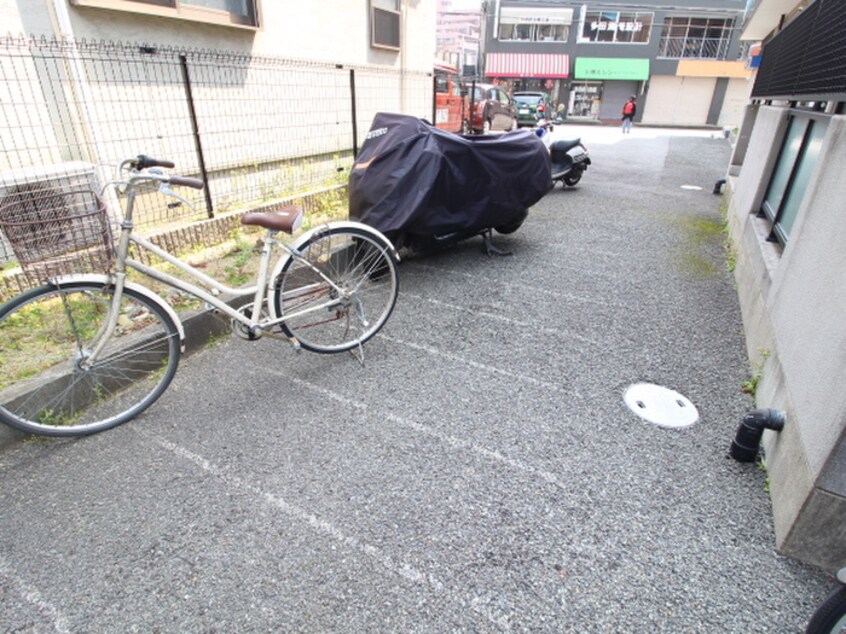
{"points": [[56, 196]]}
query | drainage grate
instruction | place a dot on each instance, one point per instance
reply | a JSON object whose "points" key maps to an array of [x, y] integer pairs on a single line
{"points": [[660, 405]]}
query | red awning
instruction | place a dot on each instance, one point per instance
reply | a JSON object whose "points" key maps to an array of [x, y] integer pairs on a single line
{"points": [[527, 65]]}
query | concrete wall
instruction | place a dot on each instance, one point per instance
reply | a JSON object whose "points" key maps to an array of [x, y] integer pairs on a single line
{"points": [[792, 303]]}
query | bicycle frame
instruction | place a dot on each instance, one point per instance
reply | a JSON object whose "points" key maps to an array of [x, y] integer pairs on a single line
{"points": [[259, 291]]}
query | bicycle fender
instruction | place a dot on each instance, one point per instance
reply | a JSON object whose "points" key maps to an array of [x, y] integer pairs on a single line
{"points": [[142, 290], [349, 224]]}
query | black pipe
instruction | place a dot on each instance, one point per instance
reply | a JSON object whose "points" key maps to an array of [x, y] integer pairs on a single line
{"points": [[744, 448], [718, 186]]}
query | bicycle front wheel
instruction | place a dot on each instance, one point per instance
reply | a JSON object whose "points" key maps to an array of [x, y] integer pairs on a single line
{"points": [[339, 292], [830, 617], [49, 387]]}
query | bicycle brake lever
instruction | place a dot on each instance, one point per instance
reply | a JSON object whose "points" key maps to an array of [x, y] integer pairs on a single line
{"points": [[167, 191]]}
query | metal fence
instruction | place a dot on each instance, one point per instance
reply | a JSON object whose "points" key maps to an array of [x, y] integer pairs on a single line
{"points": [[806, 60], [255, 129]]}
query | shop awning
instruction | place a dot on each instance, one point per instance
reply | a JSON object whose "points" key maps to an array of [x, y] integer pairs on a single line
{"points": [[544, 66]]}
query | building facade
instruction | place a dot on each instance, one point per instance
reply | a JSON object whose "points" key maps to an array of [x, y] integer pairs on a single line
{"points": [[683, 63], [390, 33], [787, 222], [458, 37]]}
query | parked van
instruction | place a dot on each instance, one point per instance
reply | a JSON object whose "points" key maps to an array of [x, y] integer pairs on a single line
{"points": [[450, 102]]}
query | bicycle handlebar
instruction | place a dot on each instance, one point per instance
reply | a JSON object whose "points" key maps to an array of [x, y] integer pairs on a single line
{"points": [[143, 162], [196, 183]]}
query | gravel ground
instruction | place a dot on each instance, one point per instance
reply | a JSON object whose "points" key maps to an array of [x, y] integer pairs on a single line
{"points": [[481, 473]]}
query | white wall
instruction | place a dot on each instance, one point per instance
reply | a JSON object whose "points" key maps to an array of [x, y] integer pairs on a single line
{"points": [[678, 100], [734, 103], [335, 31]]}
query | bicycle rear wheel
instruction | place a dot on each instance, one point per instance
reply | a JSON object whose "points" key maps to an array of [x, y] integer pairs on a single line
{"points": [[47, 386], [324, 318]]}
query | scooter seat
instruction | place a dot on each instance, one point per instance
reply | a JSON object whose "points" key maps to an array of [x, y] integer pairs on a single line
{"points": [[565, 144]]}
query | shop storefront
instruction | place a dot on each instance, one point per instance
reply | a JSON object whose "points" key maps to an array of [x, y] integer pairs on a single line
{"points": [[534, 38], [531, 72], [602, 85]]}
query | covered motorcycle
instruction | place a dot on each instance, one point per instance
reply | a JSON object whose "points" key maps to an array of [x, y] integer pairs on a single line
{"points": [[422, 186]]}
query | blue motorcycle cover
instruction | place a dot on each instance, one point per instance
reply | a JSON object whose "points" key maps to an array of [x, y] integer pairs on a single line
{"points": [[413, 179]]}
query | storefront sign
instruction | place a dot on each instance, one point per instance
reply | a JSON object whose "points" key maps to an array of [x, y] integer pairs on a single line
{"points": [[522, 15], [634, 27], [599, 68]]}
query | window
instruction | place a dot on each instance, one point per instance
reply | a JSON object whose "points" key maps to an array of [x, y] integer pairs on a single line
{"points": [[703, 38], [616, 27], [243, 13], [792, 173], [534, 24], [385, 24], [534, 32]]}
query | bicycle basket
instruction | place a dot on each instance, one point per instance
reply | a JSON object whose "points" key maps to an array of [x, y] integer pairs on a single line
{"points": [[54, 231]]}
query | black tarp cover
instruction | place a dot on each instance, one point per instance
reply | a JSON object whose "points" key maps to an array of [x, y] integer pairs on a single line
{"points": [[412, 178]]}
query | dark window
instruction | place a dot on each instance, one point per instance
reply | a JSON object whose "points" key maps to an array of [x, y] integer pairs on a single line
{"points": [[385, 24], [534, 32], [792, 173], [700, 38]]}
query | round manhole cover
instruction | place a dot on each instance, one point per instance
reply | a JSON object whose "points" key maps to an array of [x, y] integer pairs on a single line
{"points": [[660, 405]]}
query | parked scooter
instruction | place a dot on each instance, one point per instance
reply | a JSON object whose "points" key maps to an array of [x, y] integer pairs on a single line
{"points": [[830, 616], [569, 157]]}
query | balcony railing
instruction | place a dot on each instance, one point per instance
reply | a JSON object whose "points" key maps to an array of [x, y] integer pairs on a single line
{"points": [[693, 47]]}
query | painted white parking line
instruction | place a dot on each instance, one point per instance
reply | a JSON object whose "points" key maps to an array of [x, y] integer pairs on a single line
{"points": [[427, 430], [31, 595], [531, 326], [490, 369], [394, 566], [533, 290]]}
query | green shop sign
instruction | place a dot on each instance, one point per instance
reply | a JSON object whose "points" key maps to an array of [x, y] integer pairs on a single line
{"points": [[612, 68]]}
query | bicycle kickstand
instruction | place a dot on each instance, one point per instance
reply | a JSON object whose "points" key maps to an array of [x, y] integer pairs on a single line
{"points": [[360, 356]]}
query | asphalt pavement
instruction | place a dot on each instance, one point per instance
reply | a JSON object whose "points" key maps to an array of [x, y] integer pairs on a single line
{"points": [[481, 472]]}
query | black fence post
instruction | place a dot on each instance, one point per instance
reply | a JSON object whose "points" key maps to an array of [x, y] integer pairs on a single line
{"points": [[434, 99], [186, 79], [354, 114], [472, 106]]}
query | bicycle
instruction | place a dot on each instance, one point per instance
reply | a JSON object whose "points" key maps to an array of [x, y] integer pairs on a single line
{"points": [[830, 616], [86, 352]]}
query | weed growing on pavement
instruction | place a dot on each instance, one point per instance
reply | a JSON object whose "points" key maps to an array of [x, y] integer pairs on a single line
{"points": [[728, 245], [698, 233], [750, 386]]}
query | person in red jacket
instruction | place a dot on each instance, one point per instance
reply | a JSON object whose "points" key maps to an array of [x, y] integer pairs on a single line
{"points": [[629, 111]]}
